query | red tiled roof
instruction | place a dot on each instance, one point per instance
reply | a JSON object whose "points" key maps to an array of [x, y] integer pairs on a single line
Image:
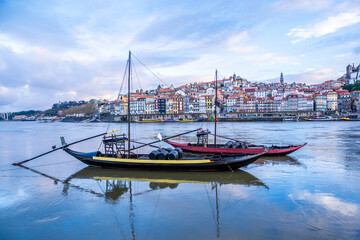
{"points": [[250, 90], [166, 90], [343, 92]]}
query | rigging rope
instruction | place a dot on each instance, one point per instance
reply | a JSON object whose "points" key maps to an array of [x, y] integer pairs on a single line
{"points": [[149, 70], [123, 80], [137, 77], [221, 75]]}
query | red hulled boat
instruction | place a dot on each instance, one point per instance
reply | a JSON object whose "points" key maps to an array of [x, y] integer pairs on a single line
{"points": [[224, 149]]}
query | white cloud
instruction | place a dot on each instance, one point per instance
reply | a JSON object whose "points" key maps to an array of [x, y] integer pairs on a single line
{"points": [[9, 199], [45, 220], [12, 44], [239, 43], [313, 75], [329, 202], [7, 95], [330, 25], [241, 46]]}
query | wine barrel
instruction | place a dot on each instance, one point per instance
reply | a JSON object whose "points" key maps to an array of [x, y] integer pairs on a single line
{"points": [[154, 154], [180, 151], [173, 155], [229, 144], [162, 154], [236, 145]]}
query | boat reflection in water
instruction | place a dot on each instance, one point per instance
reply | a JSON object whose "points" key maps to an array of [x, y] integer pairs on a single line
{"points": [[277, 160], [159, 180], [119, 183]]}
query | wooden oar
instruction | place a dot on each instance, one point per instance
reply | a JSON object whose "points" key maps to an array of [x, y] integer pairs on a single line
{"points": [[63, 146], [166, 138]]}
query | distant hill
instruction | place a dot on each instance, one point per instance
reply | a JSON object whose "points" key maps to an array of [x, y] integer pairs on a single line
{"points": [[86, 109]]}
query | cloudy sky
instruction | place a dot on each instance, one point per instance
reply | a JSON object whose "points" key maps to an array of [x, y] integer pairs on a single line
{"points": [[54, 50]]}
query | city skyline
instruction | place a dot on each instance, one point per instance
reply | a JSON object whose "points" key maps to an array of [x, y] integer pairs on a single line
{"points": [[54, 51]]}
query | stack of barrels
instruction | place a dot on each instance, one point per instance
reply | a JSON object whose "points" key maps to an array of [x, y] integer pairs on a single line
{"points": [[166, 153], [234, 144]]}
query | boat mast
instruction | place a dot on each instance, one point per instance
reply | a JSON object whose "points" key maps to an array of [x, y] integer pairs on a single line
{"points": [[128, 107], [217, 212], [215, 107], [131, 215]]}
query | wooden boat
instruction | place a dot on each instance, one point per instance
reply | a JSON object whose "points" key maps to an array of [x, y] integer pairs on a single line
{"points": [[290, 119], [45, 119], [200, 119], [223, 149], [116, 155], [186, 120], [319, 119], [149, 121], [170, 120], [187, 163]]}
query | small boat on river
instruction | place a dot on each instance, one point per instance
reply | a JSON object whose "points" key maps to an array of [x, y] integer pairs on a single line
{"points": [[234, 147], [319, 119], [170, 120], [188, 162], [149, 121]]}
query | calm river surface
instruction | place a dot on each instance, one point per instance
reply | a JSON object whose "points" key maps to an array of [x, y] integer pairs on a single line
{"points": [[313, 193]]}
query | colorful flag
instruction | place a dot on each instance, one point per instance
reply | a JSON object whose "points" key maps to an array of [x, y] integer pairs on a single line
{"points": [[213, 119]]}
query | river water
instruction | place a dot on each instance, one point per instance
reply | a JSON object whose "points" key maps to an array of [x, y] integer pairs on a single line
{"points": [[313, 193]]}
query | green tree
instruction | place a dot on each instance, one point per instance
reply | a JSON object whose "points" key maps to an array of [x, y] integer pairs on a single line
{"points": [[348, 87], [356, 86], [352, 87]]}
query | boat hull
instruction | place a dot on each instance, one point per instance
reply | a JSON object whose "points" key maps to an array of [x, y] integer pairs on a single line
{"points": [[320, 119], [149, 121], [273, 151], [190, 163]]}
